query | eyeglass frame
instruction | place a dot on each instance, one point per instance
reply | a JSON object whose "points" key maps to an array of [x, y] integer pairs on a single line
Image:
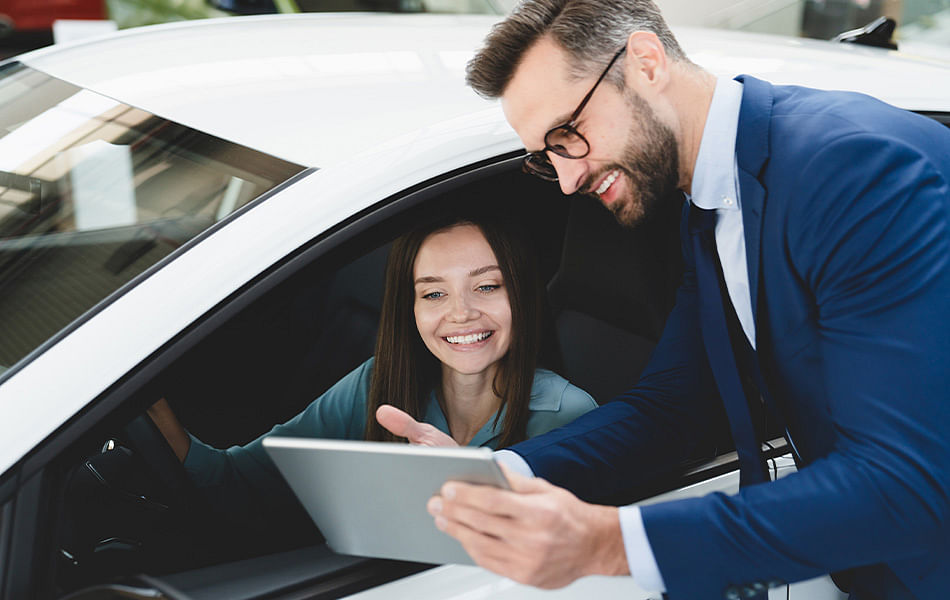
{"points": [[540, 157]]}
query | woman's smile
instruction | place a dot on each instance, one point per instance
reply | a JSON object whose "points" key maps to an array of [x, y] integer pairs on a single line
{"points": [[468, 339], [461, 307]]}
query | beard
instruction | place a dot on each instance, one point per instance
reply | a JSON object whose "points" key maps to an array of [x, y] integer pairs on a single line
{"points": [[650, 162]]}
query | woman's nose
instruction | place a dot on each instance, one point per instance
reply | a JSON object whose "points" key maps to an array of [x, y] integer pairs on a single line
{"points": [[461, 309]]}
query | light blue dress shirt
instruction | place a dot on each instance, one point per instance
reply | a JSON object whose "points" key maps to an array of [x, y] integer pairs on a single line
{"points": [[715, 187]]}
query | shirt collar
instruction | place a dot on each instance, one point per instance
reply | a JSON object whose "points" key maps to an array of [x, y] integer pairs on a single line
{"points": [[714, 177]]}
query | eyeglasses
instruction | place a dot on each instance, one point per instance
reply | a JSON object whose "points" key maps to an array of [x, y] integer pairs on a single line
{"points": [[564, 140]]}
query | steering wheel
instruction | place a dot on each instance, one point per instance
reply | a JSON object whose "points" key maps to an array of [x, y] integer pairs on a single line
{"points": [[152, 447]]}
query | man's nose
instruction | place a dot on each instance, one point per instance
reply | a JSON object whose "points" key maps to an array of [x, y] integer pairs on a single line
{"points": [[571, 172]]}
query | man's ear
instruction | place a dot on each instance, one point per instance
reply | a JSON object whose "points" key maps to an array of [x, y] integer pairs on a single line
{"points": [[646, 64]]}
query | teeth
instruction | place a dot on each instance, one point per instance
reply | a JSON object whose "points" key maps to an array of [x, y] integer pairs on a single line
{"points": [[468, 339], [607, 182]]}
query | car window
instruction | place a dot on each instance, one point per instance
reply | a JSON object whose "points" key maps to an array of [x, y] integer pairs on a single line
{"points": [[93, 192]]}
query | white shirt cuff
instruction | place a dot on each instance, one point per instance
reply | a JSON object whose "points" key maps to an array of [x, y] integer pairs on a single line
{"points": [[640, 559], [513, 461]]}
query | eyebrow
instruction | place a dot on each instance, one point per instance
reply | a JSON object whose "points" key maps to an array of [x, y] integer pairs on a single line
{"points": [[472, 273], [562, 120]]}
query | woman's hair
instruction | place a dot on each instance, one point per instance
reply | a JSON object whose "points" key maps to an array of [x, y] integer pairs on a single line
{"points": [[405, 372], [590, 31]]}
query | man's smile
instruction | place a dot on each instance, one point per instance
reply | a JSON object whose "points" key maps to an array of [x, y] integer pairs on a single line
{"points": [[607, 182]]}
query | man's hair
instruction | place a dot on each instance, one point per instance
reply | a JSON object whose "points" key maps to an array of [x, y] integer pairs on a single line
{"points": [[590, 31]]}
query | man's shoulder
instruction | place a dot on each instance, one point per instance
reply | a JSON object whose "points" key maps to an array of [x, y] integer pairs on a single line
{"points": [[806, 119], [815, 137]]}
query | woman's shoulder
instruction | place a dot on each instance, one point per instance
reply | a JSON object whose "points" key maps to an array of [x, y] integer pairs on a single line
{"points": [[555, 402], [552, 393]]}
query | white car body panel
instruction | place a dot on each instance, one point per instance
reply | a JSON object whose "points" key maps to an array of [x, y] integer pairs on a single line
{"points": [[280, 86]]}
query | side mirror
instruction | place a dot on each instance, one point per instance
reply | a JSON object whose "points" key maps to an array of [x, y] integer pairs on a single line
{"points": [[245, 7], [878, 33]]}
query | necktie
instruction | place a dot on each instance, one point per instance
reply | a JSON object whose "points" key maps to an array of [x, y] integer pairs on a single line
{"points": [[752, 468]]}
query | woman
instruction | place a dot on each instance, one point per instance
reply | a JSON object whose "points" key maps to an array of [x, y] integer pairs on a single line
{"points": [[457, 347]]}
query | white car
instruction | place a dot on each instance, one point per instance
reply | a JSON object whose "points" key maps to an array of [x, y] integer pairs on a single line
{"points": [[201, 211]]}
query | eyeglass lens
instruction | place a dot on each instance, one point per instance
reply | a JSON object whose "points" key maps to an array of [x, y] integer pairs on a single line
{"points": [[537, 164], [567, 142]]}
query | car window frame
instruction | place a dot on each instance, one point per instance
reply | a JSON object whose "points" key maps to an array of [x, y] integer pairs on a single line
{"points": [[19, 484]]}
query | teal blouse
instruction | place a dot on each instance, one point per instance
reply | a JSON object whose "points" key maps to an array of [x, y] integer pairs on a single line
{"points": [[241, 479]]}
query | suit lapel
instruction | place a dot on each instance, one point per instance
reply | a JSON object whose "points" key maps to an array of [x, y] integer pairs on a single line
{"points": [[752, 153]]}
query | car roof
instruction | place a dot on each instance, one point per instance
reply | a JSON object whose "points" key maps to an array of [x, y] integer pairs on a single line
{"points": [[319, 88], [312, 89]]}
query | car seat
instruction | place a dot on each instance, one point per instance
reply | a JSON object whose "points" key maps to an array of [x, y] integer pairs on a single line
{"points": [[612, 293]]}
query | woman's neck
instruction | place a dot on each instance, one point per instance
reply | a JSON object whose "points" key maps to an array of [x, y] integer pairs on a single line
{"points": [[468, 402]]}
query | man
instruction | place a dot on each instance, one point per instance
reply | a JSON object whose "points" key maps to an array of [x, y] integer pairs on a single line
{"points": [[817, 252]]}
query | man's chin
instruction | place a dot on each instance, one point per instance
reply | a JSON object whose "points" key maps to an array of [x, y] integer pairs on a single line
{"points": [[628, 211]]}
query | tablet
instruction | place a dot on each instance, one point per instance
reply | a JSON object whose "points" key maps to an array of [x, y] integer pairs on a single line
{"points": [[369, 498]]}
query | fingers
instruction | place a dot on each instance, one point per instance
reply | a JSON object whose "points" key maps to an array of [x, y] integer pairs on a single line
{"points": [[529, 546], [491, 500], [457, 519], [401, 424]]}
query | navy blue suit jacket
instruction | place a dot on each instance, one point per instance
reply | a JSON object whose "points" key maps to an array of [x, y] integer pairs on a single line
{"points": [[846, 209]]}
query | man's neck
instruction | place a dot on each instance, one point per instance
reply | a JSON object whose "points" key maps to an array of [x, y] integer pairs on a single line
{"points": [[693, 93]]}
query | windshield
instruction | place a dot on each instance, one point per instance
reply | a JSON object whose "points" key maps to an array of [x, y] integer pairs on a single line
{"points": [[93, 192]]}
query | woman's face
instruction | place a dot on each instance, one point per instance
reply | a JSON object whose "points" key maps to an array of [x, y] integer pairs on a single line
{"points": [[462, 310]]}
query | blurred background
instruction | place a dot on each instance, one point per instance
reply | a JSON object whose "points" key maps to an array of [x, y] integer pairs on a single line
{"points": [[923, 26]]}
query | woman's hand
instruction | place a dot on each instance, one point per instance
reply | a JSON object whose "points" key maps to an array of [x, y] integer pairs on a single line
{"points": [[164, 418], [399, 423]]}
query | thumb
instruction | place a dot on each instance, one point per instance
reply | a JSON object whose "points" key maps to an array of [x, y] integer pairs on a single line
{"points": [[399, 423], [521, 484]]}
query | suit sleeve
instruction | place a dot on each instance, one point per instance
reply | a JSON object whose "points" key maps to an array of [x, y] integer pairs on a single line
{"points": [[609, 453], [872, 243]]}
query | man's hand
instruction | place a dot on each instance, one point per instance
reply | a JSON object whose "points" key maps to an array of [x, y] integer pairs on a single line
{"points": [[402, 425], [536, 534]]}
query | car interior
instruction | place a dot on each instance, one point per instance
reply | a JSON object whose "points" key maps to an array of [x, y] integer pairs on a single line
{"points": [[121, 514]]}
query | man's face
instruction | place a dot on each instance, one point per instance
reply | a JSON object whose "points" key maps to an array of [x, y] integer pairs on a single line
{"points": [[633, 159]]}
